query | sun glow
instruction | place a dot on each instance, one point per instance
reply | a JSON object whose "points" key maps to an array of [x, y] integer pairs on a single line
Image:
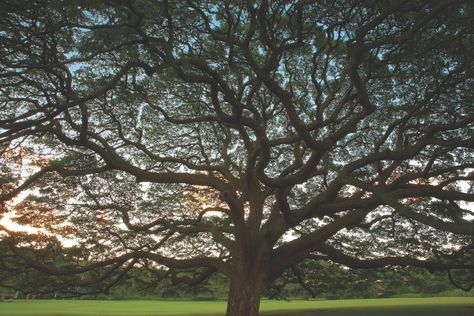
{"points": [[7, 222]]}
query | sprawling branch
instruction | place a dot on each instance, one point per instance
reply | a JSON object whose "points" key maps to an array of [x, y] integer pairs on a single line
{"points": [[204, 135]]}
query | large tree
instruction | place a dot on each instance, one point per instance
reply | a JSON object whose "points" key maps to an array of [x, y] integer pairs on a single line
{"points": [[240, 137]]}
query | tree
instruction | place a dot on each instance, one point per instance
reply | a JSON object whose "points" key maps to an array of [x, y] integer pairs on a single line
{"points": [[239, 137]]}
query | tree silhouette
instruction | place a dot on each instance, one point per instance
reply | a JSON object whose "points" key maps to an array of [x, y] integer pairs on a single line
{"points": [[238, 136]]}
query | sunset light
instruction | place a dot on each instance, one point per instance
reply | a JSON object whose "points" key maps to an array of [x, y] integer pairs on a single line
{"points": [[240, 157]]}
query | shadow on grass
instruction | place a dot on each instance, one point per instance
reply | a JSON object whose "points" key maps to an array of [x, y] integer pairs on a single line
{"points": [[383, 311]]}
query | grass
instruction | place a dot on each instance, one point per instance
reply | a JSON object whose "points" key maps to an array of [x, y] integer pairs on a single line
{"points": [[439, 306]]}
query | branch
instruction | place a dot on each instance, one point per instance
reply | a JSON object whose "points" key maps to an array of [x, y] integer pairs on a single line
{"points": [[296, 250], [356, 263], [216, 263], [388, 198]]}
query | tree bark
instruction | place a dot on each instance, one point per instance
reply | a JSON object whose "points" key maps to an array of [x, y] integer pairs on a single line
{"points": [[244, 296], [247, 283]]}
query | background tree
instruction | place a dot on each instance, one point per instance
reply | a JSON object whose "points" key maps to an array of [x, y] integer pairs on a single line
{"points": [[239, 136]]}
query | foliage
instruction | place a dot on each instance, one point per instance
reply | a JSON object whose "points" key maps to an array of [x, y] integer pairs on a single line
{"points": [[237, 137]]}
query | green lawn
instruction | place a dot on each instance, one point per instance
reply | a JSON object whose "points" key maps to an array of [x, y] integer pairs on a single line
{"points": [[438, 306]]}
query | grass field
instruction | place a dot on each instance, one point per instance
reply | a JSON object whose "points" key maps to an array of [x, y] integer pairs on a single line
{"points": [[439, 306]]}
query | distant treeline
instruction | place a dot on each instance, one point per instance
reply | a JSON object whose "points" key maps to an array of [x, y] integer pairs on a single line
{"points": [[308, 280]]}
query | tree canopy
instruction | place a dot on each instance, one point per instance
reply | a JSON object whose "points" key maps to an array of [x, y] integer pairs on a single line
{"points": [[239, 137]]}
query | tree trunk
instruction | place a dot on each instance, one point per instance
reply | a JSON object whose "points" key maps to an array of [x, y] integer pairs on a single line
{"points": [[247, 283], [244, 298]]}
